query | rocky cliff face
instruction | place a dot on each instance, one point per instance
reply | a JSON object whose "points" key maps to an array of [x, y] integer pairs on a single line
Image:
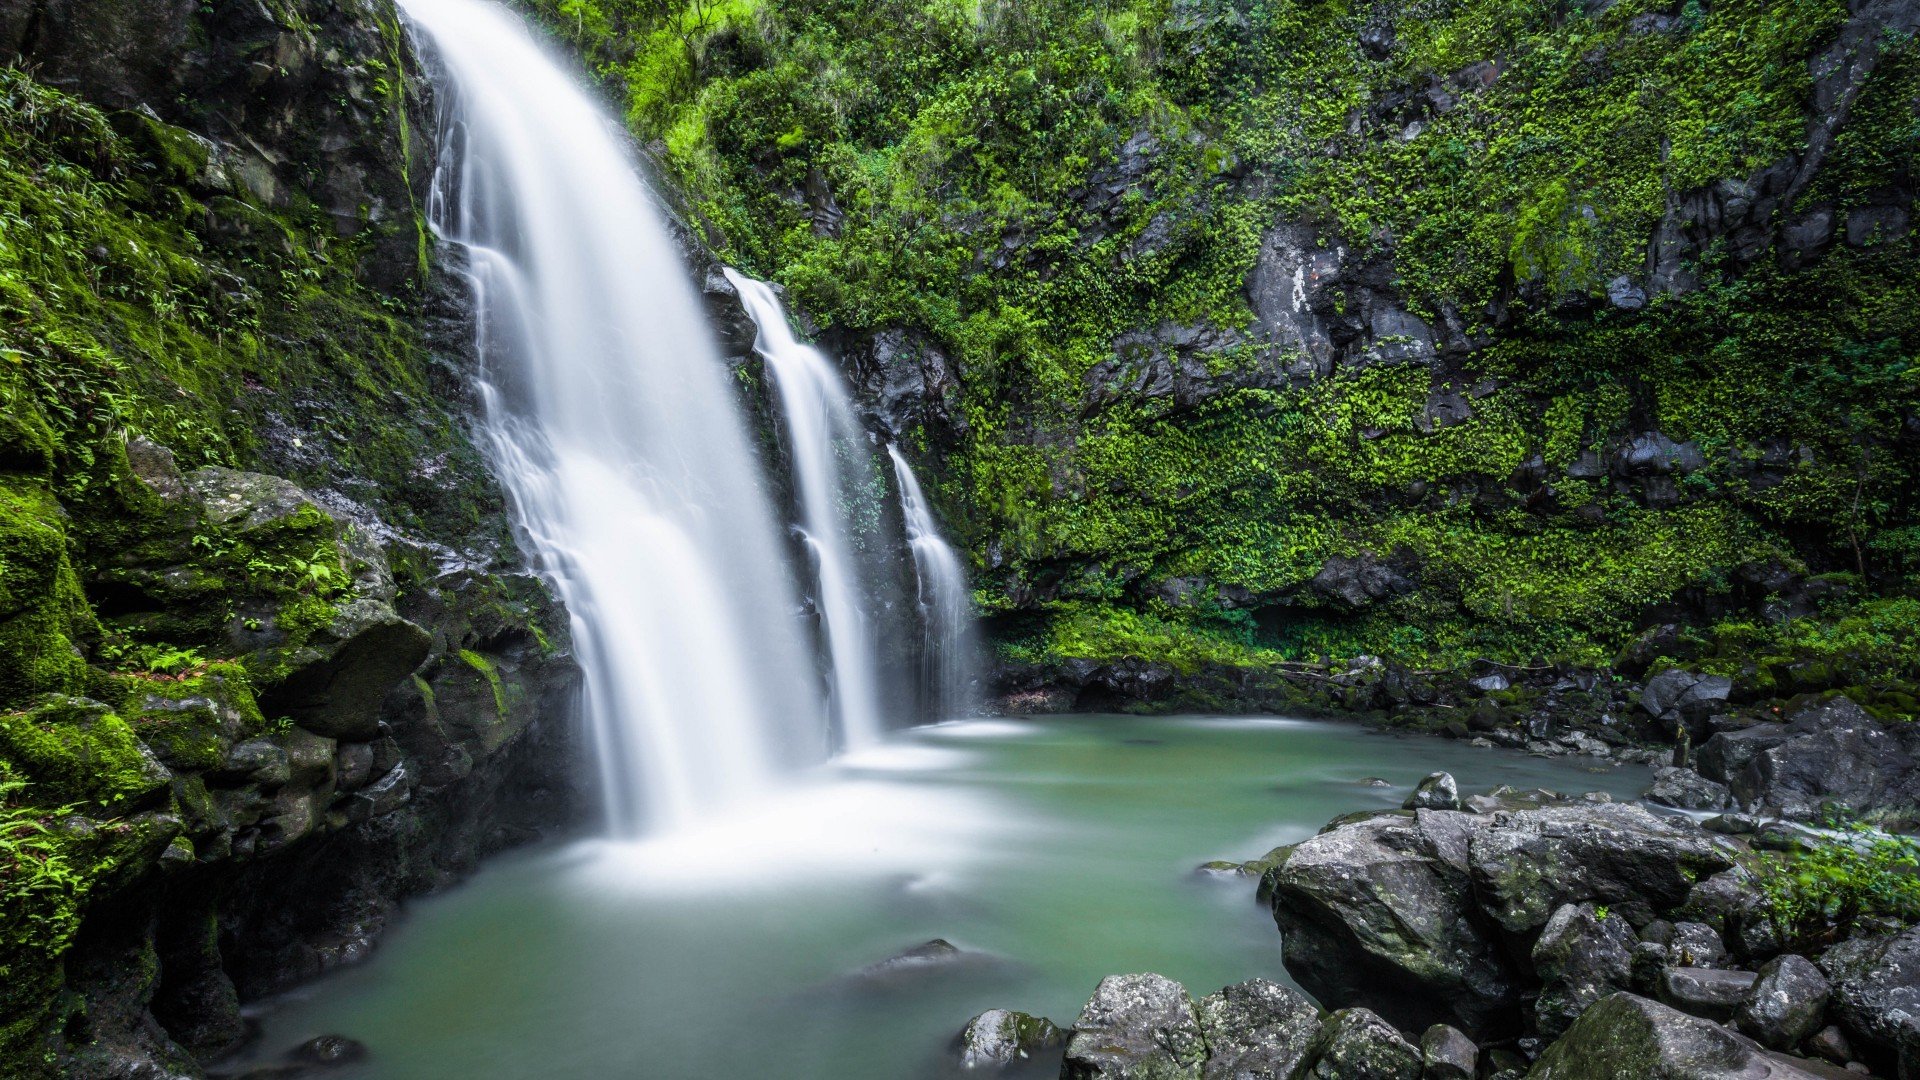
{"points": [[1244, 334], [269, 658]]}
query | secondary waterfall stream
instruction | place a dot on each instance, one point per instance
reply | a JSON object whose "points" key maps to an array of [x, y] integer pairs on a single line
{"points": [[611, 418], [830, 458], [946, 608]]}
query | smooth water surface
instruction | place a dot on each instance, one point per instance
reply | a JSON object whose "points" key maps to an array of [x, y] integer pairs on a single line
{"points": [[1060, 849]]}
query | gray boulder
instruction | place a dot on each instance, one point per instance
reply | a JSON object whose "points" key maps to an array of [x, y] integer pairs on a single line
{"points": [[1447, 1054], [1708, 992], [1677, 696], [1258, 1030], [1830, 754], [1787, 1005], [1380, 913], [1525, 868], [1629, 1036], [1437, 792], [1876, 999], [1357, 1045], [1687, 944], [1136, 1027], [1686, 789], [1581, 958], [998, 1039]]}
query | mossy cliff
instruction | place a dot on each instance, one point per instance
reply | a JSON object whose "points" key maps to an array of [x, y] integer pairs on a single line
{"points": [[1243, 333], [268, 661]]}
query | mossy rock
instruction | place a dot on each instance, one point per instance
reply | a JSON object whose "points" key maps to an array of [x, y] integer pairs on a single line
{"points": [[76, 751], [45, 622]]}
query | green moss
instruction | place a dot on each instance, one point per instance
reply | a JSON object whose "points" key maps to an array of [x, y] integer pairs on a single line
{"points": [[479, 663], [78, 751], [1530, 157]]}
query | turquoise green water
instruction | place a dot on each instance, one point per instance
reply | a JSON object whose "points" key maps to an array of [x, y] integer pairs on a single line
{"points": [[1058, 850]]}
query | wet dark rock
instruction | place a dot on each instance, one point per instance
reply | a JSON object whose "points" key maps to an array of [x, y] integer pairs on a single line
{"points": [[1136, 1027], [1876, 998], [1830, 1044], [1447, 1054], [1686, 789], [1438, 791], [1527, 867], [1677, 696], [1357, 1043], [1377, 913], [1710, 992], [1788, 1003], [1356, 581], [1580, 958], [1629, 1036], [1828, 755], [1258, 1029], [998, 1039]]}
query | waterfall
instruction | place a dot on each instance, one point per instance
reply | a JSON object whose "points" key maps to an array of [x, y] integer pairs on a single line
{"points": [[614, 423], [830, 460], [945, 603]]}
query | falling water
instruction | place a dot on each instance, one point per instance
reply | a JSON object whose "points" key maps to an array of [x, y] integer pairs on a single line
{"points": [[829, 454], [611, 418], [946, 612]]}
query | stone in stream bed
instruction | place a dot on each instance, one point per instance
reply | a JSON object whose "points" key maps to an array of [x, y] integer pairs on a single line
{"points": [[1136, 1027], [999, 1039], [1438, 791], [938, 958], [1257, 1029]]}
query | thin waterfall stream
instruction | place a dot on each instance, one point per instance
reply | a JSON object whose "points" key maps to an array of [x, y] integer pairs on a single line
{"points": [[948, 650]]}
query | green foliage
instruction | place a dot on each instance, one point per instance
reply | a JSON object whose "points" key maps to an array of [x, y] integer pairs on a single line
{"points": [[1024, 183], [1824, 890]]}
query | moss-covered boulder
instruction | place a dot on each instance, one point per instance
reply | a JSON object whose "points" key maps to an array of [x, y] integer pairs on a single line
{"points": [[76, 751], [1626, 1035]]}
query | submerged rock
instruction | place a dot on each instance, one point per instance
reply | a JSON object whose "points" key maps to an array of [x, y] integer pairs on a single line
{"points": [[1136, 1027], [998, 1038]]}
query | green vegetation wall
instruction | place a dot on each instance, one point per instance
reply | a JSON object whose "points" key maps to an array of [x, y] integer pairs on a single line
{"points": [[1251, 329]]}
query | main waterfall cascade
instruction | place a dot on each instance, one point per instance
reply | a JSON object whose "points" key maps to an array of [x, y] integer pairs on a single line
{"points": [[613, 422], [948, 648], [611, 418]]}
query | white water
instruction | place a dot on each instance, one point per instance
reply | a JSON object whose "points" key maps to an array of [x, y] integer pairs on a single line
{"points": [[827, 447], [613, 420], [945, 602]]}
